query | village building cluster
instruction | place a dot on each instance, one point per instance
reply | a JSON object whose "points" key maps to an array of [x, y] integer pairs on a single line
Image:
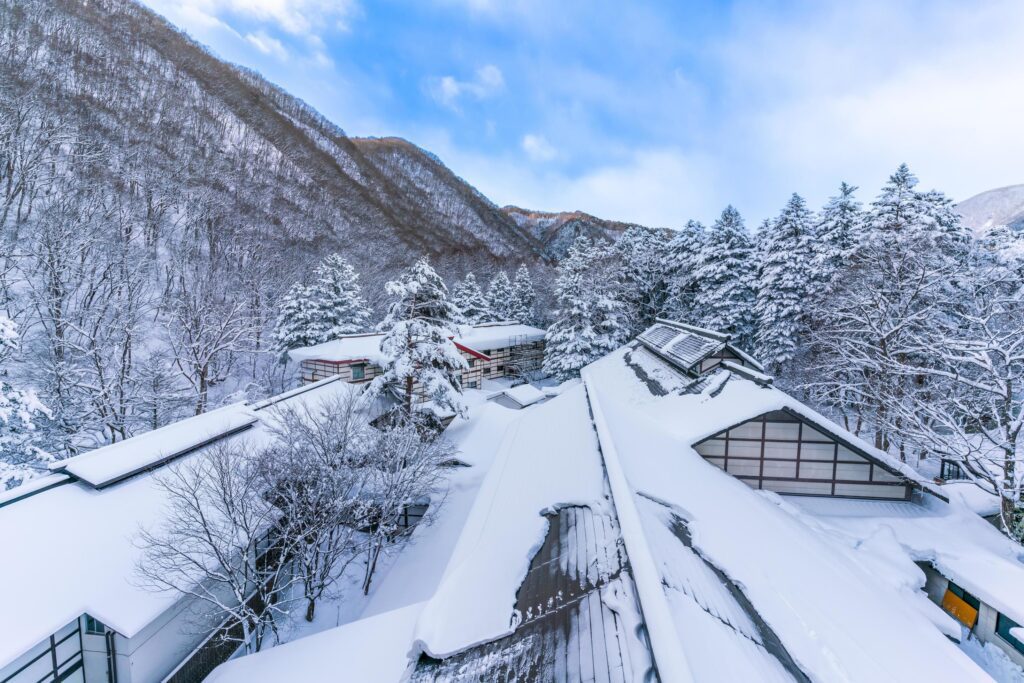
{"points": [[671, 515]]}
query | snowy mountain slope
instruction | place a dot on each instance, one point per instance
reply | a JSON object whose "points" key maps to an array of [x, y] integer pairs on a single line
{"points": [[556, 231], [195, 130], [1002, 206]]}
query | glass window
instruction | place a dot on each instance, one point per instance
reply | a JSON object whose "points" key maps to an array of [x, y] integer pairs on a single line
{"points": [[472, 362], [846, 455], [815, 470], [811, 434], [782, 430], [94, 626], [969, 598], [744, 467], [780, 449], [853, 471], [817, 451], [712, 447], [358, 371], [747, 430], [1003, 626], [775, 468], [744, 449]]}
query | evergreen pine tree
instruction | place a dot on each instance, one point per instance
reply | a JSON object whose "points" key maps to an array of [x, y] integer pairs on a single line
{"points": [[681, 258], [641, 252], [470, 301], [338, 298], [500, 297], [783, 287], [589, 321], [297, 321], [417, 343], [839, 229], [524, 297], [725, 275]]}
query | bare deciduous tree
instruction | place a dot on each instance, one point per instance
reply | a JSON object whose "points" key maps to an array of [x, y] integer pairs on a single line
{"points": [[219, 544]]}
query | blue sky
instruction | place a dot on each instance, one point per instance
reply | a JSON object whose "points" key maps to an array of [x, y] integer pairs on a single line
{"points": [[654, 112]]}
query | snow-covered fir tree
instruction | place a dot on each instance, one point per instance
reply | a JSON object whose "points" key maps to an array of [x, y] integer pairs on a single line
{"points": [[297, 325], [642, 254], [725, 275], [524, 297], [330, 307], [681, 258], [902, 273], [838, 230], [501, 298], [338, 299], [20, 458], [786, 251], [589, 321], [470, 301], [417, 344]]}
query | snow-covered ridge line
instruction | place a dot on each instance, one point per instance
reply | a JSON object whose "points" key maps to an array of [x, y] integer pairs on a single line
{"points": [[669, 658]]}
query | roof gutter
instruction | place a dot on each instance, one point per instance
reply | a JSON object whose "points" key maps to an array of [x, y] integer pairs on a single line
{"points": [[665, 641]]}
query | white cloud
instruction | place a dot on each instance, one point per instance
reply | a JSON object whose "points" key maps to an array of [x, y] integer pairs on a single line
{"points": [[852, 90], [267, 44], [486, 82], [538, 148]]}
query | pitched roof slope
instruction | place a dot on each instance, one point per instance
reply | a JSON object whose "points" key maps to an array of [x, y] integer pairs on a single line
{"points": [[88, 531], [835, 619]]}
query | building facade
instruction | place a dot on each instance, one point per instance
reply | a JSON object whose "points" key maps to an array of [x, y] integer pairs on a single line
{"points": [[491, 351]]}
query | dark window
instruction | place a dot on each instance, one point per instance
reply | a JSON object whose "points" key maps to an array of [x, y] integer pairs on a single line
{"points": [[358, 371], [951, 471], [1003, 626], [94, 626], [471, 385], [964, 595], [472, 362], [501, 368]]}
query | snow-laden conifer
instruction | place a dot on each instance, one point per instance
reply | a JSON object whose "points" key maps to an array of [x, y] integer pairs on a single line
{"points": [[724, 277], [589, 321], [470, 301], [338, 299], [297, 324], [501, 298], [641, 252], [524, 297], [681, 258], [786, 250], [420, 355], [838, 230]]}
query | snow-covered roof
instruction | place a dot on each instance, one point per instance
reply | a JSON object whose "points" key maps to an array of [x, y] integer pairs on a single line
{"points": [[732, 583], [366, 347], [110, 464], [486, 336], [523, 395], [833, 617], [371, 650], [961, 545], [686, 346], [75, 527], [548, 458]]}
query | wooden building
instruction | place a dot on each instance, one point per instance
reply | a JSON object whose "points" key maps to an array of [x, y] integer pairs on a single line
{"points": [[491, 350]]}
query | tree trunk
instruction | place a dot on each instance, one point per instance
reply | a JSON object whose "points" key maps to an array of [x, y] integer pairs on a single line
{"points": [[310, 608]]}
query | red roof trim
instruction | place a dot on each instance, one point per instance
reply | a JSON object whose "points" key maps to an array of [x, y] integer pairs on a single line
{"points": [[351, 361], [471, 352]]}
